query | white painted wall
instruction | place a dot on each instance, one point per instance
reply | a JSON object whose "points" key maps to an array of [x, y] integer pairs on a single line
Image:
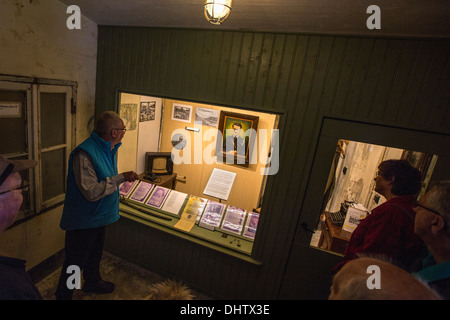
{"points": [[357, 184], [35, 42], [148, 135], [140, 137]]}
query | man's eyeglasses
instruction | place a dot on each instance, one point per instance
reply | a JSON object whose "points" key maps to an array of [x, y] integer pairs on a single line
{"points": [[23, 187], [417, 204]]}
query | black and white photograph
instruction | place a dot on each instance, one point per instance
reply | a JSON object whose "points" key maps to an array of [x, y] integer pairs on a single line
{"points": [[147, 111], [128, 113], [182, 112], [208, 117]]}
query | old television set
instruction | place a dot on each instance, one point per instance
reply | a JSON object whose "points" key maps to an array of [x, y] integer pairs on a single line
{"points": [[158, 163]]}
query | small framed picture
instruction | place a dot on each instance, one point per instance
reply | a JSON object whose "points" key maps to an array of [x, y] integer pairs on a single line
{"points": [[147, 111], [207, 117], [182, 112]]}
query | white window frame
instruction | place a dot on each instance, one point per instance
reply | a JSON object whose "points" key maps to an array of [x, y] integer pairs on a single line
{"points": [[38, 150], [14, 86], [34, 87]]}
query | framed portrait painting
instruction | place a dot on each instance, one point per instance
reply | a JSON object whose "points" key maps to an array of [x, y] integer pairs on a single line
{"points": [[238, 135]]}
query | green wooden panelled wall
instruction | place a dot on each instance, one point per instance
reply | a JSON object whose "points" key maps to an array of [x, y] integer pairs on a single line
{"points": [[394, 82]]}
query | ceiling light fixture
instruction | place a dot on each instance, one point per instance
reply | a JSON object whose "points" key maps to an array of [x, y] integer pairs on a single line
{"points": [[217, 11]]}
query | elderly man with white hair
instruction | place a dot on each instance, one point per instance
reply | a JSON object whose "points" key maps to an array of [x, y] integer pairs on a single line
{"points": [[431, 224], [92, 203]]}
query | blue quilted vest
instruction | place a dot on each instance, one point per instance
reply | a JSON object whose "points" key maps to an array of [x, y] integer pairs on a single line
{"points": [[78, 212]]}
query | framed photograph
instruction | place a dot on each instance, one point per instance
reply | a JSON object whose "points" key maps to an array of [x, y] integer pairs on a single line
{"points": [[141, 192], [234, 220], [208, 117], [182, 112], [238, 133], [128, 113], [147, 111]]}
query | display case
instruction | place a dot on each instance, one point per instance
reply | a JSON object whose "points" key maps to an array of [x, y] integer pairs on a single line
{"points": [[201, 220]]}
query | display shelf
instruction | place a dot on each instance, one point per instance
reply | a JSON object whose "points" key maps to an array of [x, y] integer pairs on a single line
{"points": [[232, 245]]}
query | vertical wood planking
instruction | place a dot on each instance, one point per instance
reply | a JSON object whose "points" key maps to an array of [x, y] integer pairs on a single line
{"points": [[398, 82]]}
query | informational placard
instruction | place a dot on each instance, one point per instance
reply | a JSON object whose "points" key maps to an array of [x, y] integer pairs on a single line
{"points": [[220, 184], [10, 109]]}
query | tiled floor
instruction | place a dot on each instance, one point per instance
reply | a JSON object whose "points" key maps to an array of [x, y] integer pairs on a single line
{"points": [[132, 282]]}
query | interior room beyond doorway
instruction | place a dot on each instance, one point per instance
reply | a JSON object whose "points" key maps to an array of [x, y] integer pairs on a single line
{"points": [[351, 185]]}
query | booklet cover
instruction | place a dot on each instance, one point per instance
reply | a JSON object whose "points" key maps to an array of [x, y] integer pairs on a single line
{"points": [[195, 206], [126, 188], [234, 220], [191, 213], [250, 225], [174, 202], [212, 216], [157, 197], [141, 192]]}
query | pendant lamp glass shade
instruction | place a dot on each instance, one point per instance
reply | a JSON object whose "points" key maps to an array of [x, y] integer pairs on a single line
{"points": [[217, 11]]}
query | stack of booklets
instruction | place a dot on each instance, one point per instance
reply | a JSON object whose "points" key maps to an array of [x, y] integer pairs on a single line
{"points": [[192, 213], [195, 206], [212, 216], [234, 219], [250, 225]]}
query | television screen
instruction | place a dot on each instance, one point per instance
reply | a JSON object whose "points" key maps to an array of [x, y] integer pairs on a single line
{"points": [[158, 163]]}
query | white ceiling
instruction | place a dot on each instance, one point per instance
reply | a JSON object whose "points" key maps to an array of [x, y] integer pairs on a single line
{"points": [[410, 18]]}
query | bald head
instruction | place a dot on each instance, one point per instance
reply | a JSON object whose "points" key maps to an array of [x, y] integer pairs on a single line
{"points": [[106, 122], [110, 127], [352, 282]]}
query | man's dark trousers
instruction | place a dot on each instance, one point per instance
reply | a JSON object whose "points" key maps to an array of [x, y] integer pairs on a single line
{"points": [[83, 248]]}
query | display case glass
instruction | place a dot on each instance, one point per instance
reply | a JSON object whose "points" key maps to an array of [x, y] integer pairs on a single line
{"points": [[216, 196]]}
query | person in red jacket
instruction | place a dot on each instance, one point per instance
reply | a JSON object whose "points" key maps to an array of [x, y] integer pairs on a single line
{"points": [[389, 230]]}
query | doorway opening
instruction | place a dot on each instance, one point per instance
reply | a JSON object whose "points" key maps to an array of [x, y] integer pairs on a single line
{"points": [[349, 195]]}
